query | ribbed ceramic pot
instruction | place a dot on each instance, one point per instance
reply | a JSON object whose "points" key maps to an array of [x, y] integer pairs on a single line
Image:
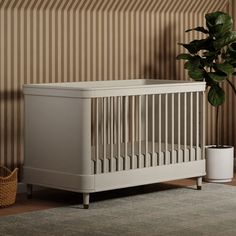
{"points": [[219, 164]]}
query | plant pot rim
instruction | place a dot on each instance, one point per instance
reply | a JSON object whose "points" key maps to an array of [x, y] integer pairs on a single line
{"points": [[220, 147]]}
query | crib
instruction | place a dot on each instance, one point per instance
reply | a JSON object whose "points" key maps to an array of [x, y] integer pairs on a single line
{"points": [[102, 135]]}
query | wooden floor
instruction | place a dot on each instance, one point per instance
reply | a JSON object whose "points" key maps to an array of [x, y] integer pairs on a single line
{"points": [[49, 198]]}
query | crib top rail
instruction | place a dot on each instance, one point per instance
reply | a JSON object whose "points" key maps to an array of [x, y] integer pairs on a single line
{"points": [[112, 88]]}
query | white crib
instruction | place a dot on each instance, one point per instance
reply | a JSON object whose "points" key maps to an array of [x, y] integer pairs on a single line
{"points": [[95, 136]]}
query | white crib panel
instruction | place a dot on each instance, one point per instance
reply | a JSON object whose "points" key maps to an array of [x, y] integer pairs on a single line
{"points": [[116, 88], [149, 175], [94, 136], [54, 139], [60, 180]]}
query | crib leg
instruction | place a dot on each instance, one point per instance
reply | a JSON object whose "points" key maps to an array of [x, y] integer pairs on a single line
{"points": [[86, 200], [199, 183], [29, 191]]}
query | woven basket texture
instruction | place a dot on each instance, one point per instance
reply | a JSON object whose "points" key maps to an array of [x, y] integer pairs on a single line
{"points": [[8, 186]]}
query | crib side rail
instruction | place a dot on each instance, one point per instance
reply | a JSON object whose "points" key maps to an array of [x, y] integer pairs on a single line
{"points": [[138, 131]]}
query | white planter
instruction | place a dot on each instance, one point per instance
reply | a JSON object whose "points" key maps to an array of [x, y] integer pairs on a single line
{"points": [[219, 164]]}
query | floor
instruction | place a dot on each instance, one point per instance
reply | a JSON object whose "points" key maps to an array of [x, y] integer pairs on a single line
{"points": [[49, 198]]}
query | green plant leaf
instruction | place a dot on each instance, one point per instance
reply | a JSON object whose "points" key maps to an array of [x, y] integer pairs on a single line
{"points": [[190, 47], [196, 45], [218, 53], [225, 67], [211, 18], [196, 74], [228, 38], [218, 23], [216, 95], [232, 47], [210, 54], [217, 77], [206, 62], [209, 58], [232, 50], [183, 56], [199, 29], [193, 63], [226, 20]]}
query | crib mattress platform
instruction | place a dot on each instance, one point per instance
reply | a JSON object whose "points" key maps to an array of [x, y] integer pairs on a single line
{"points": [[170, 154]]}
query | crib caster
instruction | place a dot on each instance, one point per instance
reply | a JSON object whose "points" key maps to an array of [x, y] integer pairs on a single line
{"points": [[86, 200], [29, 191]]}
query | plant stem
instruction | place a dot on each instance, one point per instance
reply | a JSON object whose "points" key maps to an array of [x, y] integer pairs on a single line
{"points": [[217, 127]]}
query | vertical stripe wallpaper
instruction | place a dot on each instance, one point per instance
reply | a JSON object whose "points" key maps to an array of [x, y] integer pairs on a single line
{"points": [[228, 122], [81, 40]]}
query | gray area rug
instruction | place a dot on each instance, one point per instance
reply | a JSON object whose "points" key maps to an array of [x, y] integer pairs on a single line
{"points": [[179, 211]]}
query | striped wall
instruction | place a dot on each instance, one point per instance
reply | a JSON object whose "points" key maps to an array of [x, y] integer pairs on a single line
{"points": [[229, 109], [80, 40]]}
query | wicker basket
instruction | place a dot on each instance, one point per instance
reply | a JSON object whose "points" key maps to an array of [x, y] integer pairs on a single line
{"points": [[8, 186]]}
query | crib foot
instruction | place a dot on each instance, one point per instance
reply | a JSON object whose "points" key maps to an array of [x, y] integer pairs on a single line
{"points": [[199, 183], [86, 200], [29, 191], [199, 187]]}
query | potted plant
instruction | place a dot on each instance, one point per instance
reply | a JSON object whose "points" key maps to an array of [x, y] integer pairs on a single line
{"points": [[213, 60]]}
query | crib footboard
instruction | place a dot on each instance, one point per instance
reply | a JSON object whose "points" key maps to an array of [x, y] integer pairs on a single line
{"points": [[95, 136]]}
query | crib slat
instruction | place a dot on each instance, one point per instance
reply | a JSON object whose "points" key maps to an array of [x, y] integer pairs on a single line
{"points": [[118, 134], [126, 131], [146, 130], [121, 123], [178, 156], [139, 131], [172, 128], [191, 126], [203, 125], [97, 136], [104, 135], [93, 124], [185, 127], [111, 134], [159, 129], [133, 128], [197, 125], [108, 114], [153, 128], [166, 127]]}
